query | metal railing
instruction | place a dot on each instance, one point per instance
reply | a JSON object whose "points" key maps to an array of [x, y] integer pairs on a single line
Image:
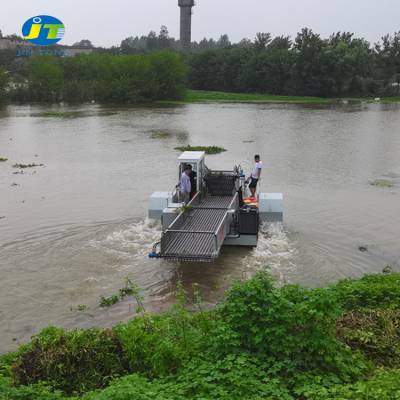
{"points": [[198, 234]]}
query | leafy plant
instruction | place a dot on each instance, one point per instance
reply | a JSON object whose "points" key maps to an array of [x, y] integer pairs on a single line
{"points": [[185, 209], [262, 342], [384, 385], [109, 301], [32, 392], [292, 328], [376, 333], [76, 361], [130, 289], [371, 291]]}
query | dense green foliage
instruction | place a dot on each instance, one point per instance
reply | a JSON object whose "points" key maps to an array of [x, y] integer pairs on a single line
{"points": [[308, 65], [104, 78], [152, 68], [341, 65], [371, 291], [385, 385], [374, 332], [74, 361], [262, 342]]}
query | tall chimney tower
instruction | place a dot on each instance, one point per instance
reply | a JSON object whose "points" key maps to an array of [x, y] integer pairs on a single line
{"points": [[186, 22]]}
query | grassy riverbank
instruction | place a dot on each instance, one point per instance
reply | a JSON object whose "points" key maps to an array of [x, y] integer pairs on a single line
{"points": [[262, 342], [196, 96], [202, 96]]}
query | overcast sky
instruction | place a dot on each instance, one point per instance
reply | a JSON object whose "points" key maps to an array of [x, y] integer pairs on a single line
{"points": [[107, 22]]}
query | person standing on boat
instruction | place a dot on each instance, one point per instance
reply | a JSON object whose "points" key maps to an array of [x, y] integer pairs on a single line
{"points": [[185, 186], [255, 175], [193, 181]]}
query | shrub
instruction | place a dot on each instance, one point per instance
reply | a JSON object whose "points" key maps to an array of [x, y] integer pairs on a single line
{"points": [[104, 78], [292, 328], [262, 342], [371, 291], [133, 387], [75, 361], [160, 345], [32, 392], [374, 332], [385, 385], [234, 377]]}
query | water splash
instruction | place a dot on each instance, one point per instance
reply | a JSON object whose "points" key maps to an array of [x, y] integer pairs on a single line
{"points": [[130, 240], [274, 252]]}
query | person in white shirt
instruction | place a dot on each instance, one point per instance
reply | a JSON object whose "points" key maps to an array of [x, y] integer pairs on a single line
{"points": [[185, 185], [255, 175]]}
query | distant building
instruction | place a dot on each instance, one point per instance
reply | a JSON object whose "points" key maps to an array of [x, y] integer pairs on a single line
{"points": [[71, 51], [25, 48], [10, 44]]}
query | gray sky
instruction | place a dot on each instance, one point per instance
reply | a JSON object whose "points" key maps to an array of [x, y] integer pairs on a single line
{"points": [[107, 22]]}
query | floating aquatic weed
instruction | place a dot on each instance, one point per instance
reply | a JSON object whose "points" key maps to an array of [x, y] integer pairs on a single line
{"points": [[109, 301], [207, 149], [130, 289], [3, 159], [383, 183], [79, 307], [160, 135], [388, 269], [23, 166], [61, 114]]}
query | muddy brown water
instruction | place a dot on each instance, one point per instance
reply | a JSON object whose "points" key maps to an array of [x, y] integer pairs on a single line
{"points": [[76, 227]]}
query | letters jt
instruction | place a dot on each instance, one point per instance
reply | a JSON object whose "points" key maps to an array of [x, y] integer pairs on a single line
{"points": [[36, 28]]}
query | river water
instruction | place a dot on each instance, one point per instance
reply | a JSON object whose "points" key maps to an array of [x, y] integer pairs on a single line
{"points": [[74, 229]]}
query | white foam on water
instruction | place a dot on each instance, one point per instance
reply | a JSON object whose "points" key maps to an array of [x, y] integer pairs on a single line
{"points": [[274, 252], [133, 240]]}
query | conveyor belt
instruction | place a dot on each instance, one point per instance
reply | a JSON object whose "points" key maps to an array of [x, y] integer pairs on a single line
{"points": [[199, 234]]}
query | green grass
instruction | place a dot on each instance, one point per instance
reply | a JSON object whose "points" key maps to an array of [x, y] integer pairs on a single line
{"points": [[61, 114], [391, 100], [202, 96]]}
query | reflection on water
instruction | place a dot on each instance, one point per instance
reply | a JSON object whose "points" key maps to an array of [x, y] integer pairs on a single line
{"points": [[75, 229]]}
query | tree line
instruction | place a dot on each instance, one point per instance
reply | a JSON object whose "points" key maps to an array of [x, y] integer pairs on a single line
{"points": [[102, 78], [341, 65], [308, 65]]}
